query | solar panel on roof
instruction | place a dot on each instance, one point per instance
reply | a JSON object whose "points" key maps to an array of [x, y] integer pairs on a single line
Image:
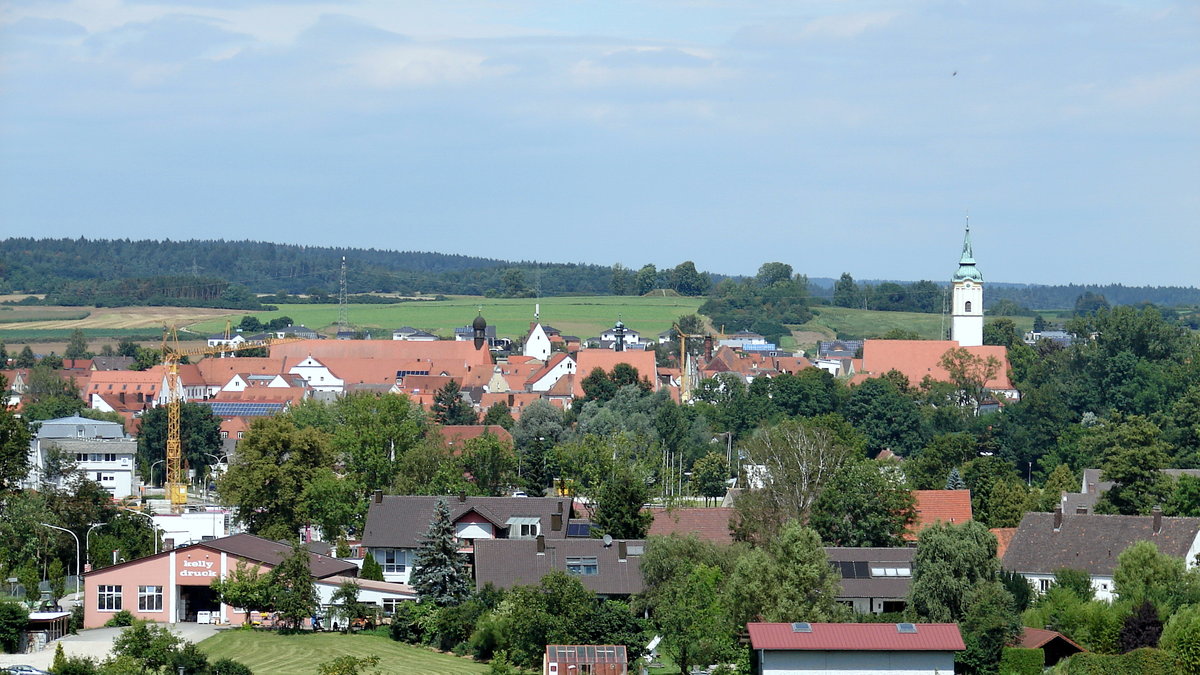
{"points": [[906, 628], [243, 408]]}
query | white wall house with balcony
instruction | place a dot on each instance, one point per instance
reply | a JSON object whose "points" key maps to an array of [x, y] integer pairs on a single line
{"points": [[97, 449]]}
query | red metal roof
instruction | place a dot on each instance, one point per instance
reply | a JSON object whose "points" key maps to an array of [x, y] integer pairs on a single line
{"points": [[942, 637]]}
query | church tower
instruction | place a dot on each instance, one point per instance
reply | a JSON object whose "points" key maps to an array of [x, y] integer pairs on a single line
{"points": [[966, 303]]}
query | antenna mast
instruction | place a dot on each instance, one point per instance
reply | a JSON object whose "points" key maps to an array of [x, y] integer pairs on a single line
{"points": [[343, 323]]}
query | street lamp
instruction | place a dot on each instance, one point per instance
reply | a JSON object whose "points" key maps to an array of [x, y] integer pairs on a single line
{"points": [[156, 463], [78, 569], [219, 462], [87, 541]]}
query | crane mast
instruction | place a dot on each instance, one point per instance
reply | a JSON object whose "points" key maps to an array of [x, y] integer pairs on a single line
{"points": [[172, 355]]}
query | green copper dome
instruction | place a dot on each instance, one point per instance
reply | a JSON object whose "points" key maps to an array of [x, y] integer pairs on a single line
{"points": [[966, 264]]}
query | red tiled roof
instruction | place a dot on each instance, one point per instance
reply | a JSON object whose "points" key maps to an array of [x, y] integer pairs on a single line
{"points": [[1003, 536], [605, 359], [945, 506], [439, 350], [1036, 638], [707, 524], [941, 637], [919, 358]]}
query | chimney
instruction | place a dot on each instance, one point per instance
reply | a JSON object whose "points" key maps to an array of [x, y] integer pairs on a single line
{"points": [[1058, 517], [708, 347], [379, 496], [1157, 514], [555, 522], [1081, 510], [622, 551], [541, 544], [462, 497]]}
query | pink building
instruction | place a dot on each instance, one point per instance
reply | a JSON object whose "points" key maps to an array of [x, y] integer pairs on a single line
{"points": [[175, 586]]}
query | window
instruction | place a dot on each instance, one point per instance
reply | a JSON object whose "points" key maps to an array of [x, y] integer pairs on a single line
{"points": [[150, 598], [224, 435], [583, 565], [81, 457], [968, 306], [891, 571], [110, 456], [108, 598], [390, 605], [1043, 585], [392, 560], [241, 434]]}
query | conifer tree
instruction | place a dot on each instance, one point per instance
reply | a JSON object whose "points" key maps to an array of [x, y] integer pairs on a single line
{"points": [[450, 408], [295, 593], [439, 575], [954, 481], [371, 569]]}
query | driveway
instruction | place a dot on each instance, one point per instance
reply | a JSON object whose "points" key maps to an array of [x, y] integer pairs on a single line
{"points": [[96, 643]]}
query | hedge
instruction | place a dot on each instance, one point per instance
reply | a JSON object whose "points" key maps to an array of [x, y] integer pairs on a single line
{"points": [[1022, 661]]}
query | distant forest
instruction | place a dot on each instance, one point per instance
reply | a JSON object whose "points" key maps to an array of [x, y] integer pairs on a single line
{"points": [[227, 274]]}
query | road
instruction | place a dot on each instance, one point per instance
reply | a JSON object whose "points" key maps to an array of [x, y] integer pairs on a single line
{"points": [[96, 643]]}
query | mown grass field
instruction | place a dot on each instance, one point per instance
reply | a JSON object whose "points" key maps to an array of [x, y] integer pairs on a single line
{"points": [[268, 653], [581, 316], [833, 321]]}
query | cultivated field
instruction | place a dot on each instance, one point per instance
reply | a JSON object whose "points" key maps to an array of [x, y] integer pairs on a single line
{"points": [[103, 318], [581, 316], [832, 322], [271, 654]]}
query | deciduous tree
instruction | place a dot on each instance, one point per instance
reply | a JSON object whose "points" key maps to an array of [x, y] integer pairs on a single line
{"points": [[294, 593], [790, 577], [949, 562], [864, 504]]}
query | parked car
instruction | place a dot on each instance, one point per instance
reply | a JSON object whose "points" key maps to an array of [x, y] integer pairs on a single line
{"points": [[24, 670]]}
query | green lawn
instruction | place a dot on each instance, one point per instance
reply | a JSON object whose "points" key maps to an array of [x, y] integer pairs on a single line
{"points": [[581, 316], [268, 653]]}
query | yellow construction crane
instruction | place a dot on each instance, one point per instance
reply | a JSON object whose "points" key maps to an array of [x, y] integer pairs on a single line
{"points": [[171, 356], [685, 390]]}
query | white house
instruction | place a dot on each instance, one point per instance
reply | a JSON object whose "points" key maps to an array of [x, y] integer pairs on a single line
{"points": [[98, 449], [853, 648], [318, 375], [558, 366], [537, 345], [1046, 542]]}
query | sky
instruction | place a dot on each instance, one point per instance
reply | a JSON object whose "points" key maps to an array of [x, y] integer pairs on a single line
{"points": [[835, 136]]}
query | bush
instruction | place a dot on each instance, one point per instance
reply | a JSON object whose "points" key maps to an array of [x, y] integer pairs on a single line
{"points": [[228, 667], [75, 665], [1021, 661], [1181, 637], [502, 666], [13, 618], [409, 622], [1136, 662], [1148, 660], [76, 620], [189, 660], [120, 619]]}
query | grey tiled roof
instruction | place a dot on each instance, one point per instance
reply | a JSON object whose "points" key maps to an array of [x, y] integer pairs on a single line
{"points": [[515, 562], [874, 587], [400, 521], [1091, 542]]}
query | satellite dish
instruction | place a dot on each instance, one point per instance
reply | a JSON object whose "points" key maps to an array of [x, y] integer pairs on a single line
{"points": [[607, 540]]}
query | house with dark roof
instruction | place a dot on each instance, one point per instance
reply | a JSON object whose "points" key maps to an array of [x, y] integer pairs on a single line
{"points": [[1046, 542], [396, 524], [413, 334], [874, 580], [611, 569], [858, 648]]}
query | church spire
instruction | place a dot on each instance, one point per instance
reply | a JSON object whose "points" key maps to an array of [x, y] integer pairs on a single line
{"points": [[966, 263]]}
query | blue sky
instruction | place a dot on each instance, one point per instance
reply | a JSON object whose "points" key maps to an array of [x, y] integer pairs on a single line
{"points": [[832, 135]]}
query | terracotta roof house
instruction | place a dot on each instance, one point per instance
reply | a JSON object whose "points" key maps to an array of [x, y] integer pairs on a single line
{"points": [[874, 580], [606, 360], [706, 524], [1053, 644], [463, 353], [919, 359], [952, 507], [606, 569], [1004, 537], [1045, 542], [824, 648], [395, 524]]}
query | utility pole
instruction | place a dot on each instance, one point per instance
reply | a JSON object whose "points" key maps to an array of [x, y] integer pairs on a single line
{"points": [[343, 324]]}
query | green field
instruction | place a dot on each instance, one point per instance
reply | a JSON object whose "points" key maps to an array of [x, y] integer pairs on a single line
{"points": [[269, 653], [580, 316]]}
